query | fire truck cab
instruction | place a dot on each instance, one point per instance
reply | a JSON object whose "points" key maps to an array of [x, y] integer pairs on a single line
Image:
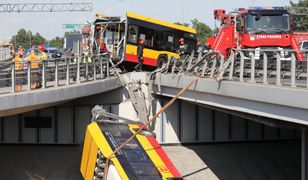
{"points": [[255, 28]]}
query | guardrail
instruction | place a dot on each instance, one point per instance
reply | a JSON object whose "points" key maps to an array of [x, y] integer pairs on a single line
{"points": [[53, 72], [264, 66]]}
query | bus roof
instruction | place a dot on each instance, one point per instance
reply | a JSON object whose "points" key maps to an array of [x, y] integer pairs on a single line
{"points": [[160, 22]]}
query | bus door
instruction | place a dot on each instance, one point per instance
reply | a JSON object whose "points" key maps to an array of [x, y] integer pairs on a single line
{"points": [[113, 37]]}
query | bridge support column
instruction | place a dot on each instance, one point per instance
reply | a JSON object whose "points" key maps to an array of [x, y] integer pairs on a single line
{"points": [[304, 158]]}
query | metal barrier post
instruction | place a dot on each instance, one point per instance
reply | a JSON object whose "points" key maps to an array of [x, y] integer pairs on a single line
{"points": [[231, 66], [204, 68], [13, 77], [307, 68], [107, 66], [56, 73], [221, 62], [101, 66], [252, 67], [78, 63], [78, 70], [43, 74], [29, 76], [87, 67], [278, 69], [265, 68], [213, 68], [67, 72], [242, 67], [94, 68], [293, 67]]}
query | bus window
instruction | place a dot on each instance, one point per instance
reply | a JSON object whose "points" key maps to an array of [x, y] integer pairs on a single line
{"points": [[170, 42], [132, 34], [159, 42], [147, 35]]}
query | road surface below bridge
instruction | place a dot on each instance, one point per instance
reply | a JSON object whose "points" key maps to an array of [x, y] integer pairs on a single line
{"points": [[259, 160]]}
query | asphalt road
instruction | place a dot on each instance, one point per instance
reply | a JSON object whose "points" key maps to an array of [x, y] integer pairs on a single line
{"points": [[264, 160]]}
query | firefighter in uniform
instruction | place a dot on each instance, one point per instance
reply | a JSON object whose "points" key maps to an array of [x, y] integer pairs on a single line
{"points": [[35, 65], [140, 55], [18, 67], [43, 53], [41, 57], [182, 49]]}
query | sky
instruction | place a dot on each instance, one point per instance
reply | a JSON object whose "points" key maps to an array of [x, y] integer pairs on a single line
{"points": [[49, 24]]}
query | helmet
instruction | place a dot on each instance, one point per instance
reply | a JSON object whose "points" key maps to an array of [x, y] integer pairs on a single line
{"points": [[181, 40], [207, 44], [41, 47], [141, 41]]}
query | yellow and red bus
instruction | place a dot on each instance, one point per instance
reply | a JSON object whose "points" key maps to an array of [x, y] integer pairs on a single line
{"points": [[121, 37], [141, 158]]}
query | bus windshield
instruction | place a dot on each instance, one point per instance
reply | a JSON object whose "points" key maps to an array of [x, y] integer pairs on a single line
{"points": [[267, 24]]}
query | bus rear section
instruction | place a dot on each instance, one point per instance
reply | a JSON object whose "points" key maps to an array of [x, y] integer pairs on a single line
{"points": [[142, 158], [161, 39], [108, 36]]}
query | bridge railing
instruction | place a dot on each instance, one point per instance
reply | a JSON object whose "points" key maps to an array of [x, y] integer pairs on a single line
{"points": [[262, 66], [269, 66], [52, 72]]}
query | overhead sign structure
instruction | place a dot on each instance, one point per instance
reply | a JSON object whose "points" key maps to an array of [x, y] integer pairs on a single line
{"points": [[46, 7], [72, 26]]}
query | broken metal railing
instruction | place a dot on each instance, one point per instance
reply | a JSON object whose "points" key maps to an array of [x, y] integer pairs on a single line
{"points": [[264, 66], [53, 72]]}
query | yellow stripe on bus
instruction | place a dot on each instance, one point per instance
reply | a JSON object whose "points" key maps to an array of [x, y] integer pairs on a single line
{"points": [[149, 53], [85, 153], [160, 22], [158, 162], [91, 161], [103, 145]]}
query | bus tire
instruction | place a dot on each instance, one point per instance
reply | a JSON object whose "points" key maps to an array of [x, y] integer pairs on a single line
{"points": [[161, 61]]}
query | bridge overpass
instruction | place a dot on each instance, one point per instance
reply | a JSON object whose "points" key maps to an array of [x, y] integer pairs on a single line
{"points": [[249, 104]]}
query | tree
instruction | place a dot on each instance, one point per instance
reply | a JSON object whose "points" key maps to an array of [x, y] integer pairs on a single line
{"points": [[203, 30], [37, 39], [72, 32], [26, 39], [57, 42], [22, 38], [300, 22]]}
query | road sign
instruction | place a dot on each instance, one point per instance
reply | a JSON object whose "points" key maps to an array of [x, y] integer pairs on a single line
{"points": [[72, 26]]}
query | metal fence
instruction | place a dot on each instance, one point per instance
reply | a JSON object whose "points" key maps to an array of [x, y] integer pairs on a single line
{"points": [[53, 72], [268, 67]]}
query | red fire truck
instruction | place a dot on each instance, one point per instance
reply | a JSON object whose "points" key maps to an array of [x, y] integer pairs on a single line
{"points": [[255, 28]]}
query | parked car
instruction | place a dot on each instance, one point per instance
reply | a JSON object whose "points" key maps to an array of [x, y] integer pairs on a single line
{"points": [[54, 53], [303, 45]]}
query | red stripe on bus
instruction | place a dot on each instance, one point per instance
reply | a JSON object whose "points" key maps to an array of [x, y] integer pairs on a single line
{"points": [[146, 60], [164, 157]]}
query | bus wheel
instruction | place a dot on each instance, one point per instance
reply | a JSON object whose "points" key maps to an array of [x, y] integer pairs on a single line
{"points": [[161, 61]]}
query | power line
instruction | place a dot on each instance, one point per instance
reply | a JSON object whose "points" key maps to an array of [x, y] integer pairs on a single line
{"points": [[46, 7]]}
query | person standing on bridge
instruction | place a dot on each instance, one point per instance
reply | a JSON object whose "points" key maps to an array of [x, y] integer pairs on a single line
{"points": [[41, 57], [182, 49], [43, 53], [140, 55], [35, 65], [18, 67]]}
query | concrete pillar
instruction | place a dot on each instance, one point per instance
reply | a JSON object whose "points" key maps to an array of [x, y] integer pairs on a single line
{"points": [[304, 175]]}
